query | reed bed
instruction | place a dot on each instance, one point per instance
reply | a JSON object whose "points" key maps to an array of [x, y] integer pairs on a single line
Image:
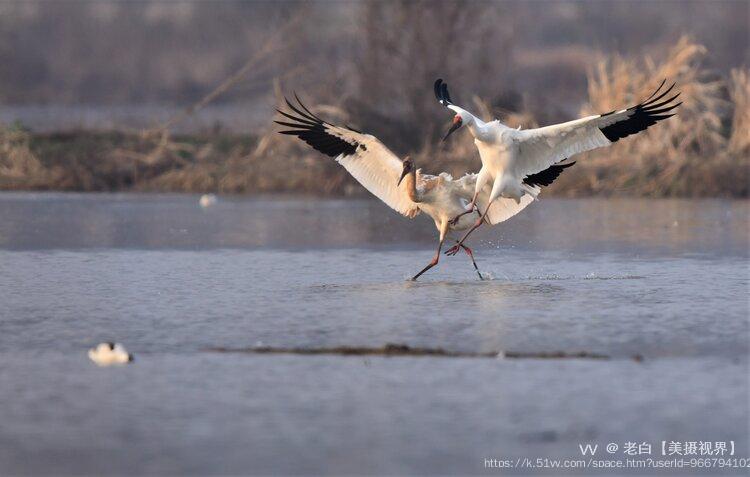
{"points": [[700, 152], [703, 151]]}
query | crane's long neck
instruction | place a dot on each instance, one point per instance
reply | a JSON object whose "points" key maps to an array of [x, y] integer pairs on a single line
{"points": [[477, 127], [411, 186]]}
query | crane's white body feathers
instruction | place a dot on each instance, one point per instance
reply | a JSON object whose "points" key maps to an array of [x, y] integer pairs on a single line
{"points": [[537, 149], [511, 155], [442, 197]]}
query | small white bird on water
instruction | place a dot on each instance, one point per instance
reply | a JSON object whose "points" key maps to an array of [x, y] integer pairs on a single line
{"points": [[106, 354], [509, 155], [208, 200], [401, 185]]}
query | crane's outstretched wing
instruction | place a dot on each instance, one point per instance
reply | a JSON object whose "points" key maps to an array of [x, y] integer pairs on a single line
{"points": [[364, 156], [503, 208], [540, 148]]}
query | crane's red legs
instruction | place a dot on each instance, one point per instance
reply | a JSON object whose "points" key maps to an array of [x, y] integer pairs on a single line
{"points": [[471, 256], [454, 249], [436, 258], [469, 210], [432, 263]]}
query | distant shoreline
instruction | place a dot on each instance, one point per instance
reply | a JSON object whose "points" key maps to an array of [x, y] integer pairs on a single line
{"points": [[116, 161], [230, 118]]}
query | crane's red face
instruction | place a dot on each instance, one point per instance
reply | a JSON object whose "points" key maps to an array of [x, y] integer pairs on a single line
{"points": [[457, 123]]}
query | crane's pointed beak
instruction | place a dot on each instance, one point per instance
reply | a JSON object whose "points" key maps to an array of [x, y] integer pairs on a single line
{"points": [[403, 174], [457, 123]]}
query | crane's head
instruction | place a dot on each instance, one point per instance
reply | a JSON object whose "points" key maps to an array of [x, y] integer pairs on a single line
{"points": [[408, 165], [460, 119]]}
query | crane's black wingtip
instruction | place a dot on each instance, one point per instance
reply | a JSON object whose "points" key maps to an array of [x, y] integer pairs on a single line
{"points": [[297, 98], [317, 133], [547, 176], [446, 94], [441, 92], [656, 90], [643, 115]]}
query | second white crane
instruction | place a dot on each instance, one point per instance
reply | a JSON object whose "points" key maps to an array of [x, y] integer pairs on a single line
{"points": [[511, 155]]}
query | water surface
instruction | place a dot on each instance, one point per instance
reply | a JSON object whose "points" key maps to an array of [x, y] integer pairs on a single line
{"points": [[665, 280]]}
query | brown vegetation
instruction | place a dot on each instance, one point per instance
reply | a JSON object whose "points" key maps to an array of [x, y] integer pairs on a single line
{"points": [[704, 151], [700, 152]]}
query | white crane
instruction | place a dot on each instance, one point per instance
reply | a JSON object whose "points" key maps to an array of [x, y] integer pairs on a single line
{"points": [[510, 155], [401, 185]]}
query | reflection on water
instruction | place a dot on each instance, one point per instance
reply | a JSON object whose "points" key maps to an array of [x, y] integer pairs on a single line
{"points": [[664, 279]]}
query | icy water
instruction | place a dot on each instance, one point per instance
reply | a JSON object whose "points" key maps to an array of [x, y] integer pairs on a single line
{"points": [[665, 281]]}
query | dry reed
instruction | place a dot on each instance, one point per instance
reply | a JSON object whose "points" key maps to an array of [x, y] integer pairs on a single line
{"points": [[688, 155], [739, 92], [703, 151], [19, 166]]}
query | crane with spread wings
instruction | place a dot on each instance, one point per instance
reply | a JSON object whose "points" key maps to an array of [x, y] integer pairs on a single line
{"points": [[401, 185], [510, 155]]}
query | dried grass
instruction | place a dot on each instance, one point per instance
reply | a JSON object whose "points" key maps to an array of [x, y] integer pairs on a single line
{"points": [[19, 166], [739, 92], [703, 151], [688, 155]]}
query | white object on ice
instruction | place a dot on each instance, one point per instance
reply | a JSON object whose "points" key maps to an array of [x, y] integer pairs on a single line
{"points": [[207, 200], [106, 354]]}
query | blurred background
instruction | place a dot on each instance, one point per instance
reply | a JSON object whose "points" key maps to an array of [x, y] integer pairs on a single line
{"points": [[179, 96]]}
